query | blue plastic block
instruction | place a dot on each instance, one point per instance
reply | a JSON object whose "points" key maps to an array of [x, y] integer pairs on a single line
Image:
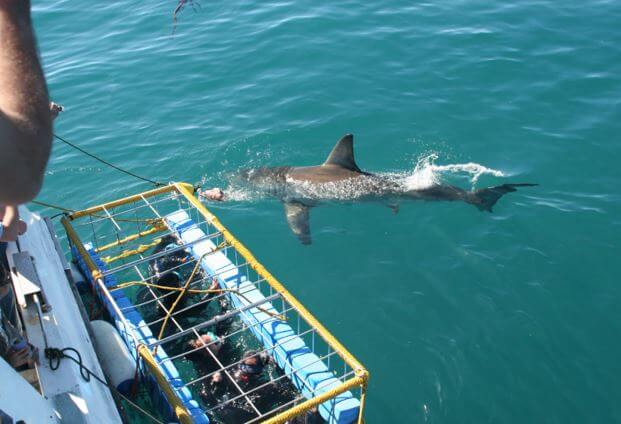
{"points": [[311, 373], [144, 335]]}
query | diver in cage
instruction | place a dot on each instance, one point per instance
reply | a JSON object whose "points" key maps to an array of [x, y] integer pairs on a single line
{"points": [[168, 268], [251, 368], [206, 357], [219, 391], [174, 269], [250, 375], [190, 309], [253, 377], [217, 347], [208, 352]]}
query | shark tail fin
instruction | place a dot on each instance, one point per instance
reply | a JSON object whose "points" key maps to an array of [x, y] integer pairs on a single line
{"points": [[485, 198]]}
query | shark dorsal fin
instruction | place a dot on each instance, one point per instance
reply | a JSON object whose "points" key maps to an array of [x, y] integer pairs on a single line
{"points": [[343, 154]]}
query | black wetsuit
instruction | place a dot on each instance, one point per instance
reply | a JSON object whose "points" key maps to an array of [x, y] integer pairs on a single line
{"points": [[264, 393], [173, 270]]}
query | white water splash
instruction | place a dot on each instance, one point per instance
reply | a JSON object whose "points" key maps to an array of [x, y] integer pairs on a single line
{"points": [[232, 191], [241, 194], [427, 173]]}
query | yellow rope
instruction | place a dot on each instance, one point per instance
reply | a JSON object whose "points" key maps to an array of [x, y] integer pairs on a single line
{"points": [[281, 317], [179, 297], [196, 291], [157, 227], [157, 286], [363, 397], [184, 289], [126, 253]]}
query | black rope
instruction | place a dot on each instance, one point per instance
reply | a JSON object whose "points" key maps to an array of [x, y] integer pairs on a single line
{"points": [[65, 211], [156, 183], [55, 356]]}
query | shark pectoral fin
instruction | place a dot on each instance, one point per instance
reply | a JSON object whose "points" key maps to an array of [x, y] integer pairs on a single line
{"points": [[298, 220]]}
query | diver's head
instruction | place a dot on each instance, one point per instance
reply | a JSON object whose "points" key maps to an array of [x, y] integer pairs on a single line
{"points": [[252, 365], [167, 240], [169, 279], [171, 261], [209, 341]]}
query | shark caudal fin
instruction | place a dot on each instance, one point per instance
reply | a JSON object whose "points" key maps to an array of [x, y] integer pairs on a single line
{"points": [[486, 198]]}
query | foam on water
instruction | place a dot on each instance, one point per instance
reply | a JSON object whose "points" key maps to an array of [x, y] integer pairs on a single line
{"points": [[241, 194], [426, 173], [234, 191]]}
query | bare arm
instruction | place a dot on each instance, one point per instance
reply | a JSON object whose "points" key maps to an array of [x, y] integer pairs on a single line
{"points": [[12, 225], [25, 121]]}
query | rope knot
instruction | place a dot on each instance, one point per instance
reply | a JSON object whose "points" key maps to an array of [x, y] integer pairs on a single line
{"points": [[54, 356]]}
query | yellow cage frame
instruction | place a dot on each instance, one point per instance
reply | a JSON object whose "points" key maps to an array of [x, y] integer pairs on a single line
{"points": [[361, 375]]}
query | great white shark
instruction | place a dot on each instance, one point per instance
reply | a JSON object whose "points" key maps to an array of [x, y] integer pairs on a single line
{"points": [[339, 179]]}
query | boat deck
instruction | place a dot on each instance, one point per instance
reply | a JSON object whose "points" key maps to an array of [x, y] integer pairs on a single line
{"points": [[39, 270]]}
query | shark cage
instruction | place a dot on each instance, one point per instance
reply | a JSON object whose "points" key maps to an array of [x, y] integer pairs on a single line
{"points": [[192, 304]]}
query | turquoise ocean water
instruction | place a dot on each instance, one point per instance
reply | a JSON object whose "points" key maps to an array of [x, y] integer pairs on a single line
{"points": [[460, 316]]}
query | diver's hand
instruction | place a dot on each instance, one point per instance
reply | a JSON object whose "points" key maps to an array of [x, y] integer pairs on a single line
{"points": [[55, 109], [17, 358], [214, 284], [216, 378], [34, 356], [13, 226]]}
